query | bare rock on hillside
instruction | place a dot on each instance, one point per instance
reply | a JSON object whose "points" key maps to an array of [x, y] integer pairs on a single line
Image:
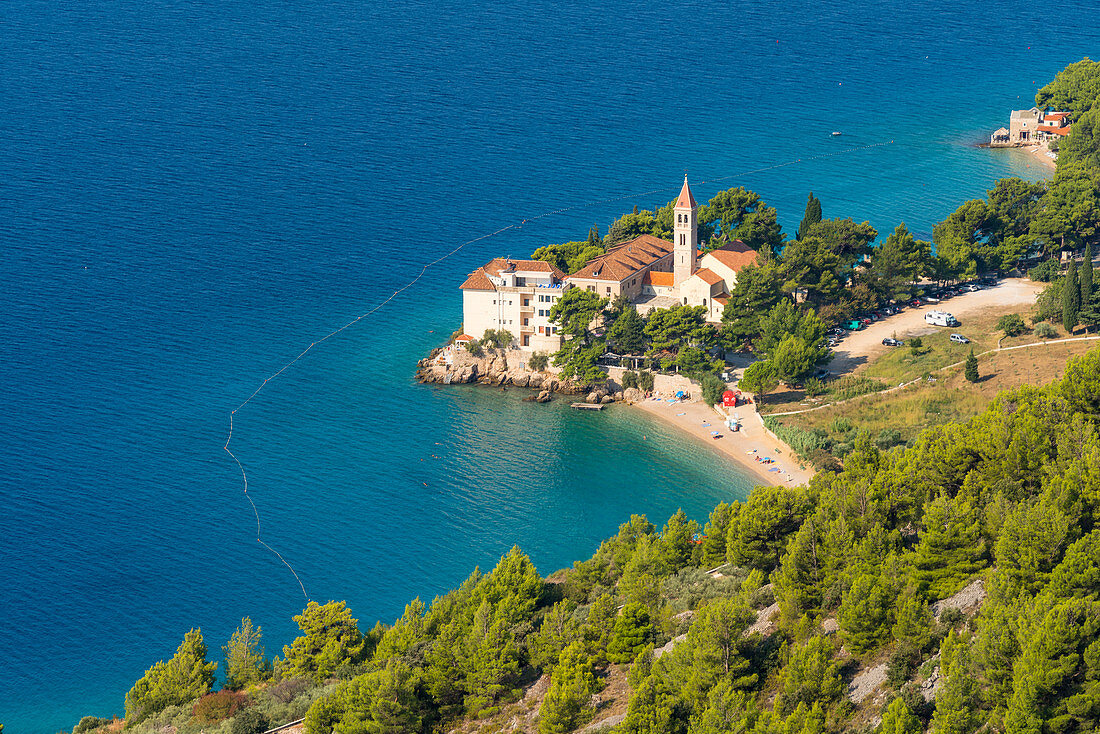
{"points": [[930, 687], [968, 601], [763, 623], [668, 647], [633, 395], [866, 683], [532, 697], [544, 397], [607, 399], [534, 380], [603, 724], [830, 626]]}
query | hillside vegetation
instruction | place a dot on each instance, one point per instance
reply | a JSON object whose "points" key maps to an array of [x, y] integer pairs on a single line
{"points": [[854, 563]]}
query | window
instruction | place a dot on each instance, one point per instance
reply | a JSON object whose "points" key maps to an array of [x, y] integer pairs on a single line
{"points": [[494, 301], [633, 281], [528, 321], [704, 301], [592, 288], [609, 290]]}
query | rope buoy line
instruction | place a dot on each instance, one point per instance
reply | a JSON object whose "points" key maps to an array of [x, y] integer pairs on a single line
{"points": [[424, 269]]}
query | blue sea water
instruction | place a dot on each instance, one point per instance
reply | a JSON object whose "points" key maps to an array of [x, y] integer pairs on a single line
{"points": [[193, 192]]}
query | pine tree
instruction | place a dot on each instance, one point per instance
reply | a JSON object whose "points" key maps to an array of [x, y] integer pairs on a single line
{"points": [[632, 633], [951, 548], [330, 636], [864, 615], [957, 701], [897, 719], [180, 680], [971, 368], [1071, 298], [812, 676], [811, 217], [1085, 276], [913, 622], [244, 658]]}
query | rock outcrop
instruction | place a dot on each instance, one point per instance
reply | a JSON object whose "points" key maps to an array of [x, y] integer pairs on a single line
{"points": [[500, 367]]}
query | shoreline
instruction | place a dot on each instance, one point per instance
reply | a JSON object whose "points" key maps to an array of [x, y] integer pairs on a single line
{"points": [[1039, 152], [736, 446]]}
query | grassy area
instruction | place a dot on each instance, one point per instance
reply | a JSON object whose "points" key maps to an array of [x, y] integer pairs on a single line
{"points": [[902, 365], [897, 417]]}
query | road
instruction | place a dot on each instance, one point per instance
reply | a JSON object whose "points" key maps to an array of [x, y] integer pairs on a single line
{"points": [[858, 347]]}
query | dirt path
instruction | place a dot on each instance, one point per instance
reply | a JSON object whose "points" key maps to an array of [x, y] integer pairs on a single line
{"points": [[858, 347]]}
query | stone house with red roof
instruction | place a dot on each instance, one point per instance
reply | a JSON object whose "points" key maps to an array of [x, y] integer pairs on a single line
{"points": [[651, 272]]}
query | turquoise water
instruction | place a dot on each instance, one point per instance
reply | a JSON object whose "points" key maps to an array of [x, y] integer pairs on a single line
{"points": [[192, 193]]}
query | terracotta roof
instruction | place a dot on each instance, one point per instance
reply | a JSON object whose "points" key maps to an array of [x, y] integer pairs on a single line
{"points": [[479, 279], [735, 255], [1055, 115], [627, 259], [656, 277], [685, 199], [722, 299], [709, 276], [1056, 130], [464, 338]]}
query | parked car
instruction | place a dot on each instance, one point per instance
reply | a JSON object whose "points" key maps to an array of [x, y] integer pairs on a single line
{"points": [[853, 325], [835, 331], [915, 303], [888, 342], [822, 374], [931, 299], [973, 287], [865, 321], [959, 339], [878, 315]]}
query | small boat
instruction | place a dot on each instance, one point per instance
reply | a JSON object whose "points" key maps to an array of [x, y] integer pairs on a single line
{"points": [[836, 132]]}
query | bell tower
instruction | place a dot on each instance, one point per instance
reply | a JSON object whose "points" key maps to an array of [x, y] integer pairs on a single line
{"points": [[685, 236]]}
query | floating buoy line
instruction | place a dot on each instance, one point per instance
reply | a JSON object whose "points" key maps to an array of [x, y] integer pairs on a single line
{"points": [[423, 270]]}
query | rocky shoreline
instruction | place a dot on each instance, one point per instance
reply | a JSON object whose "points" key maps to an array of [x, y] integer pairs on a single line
{"points": [[499, 367]]}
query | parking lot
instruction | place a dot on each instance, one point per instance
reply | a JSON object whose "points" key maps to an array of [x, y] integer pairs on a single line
{"points": [[857, 348]]}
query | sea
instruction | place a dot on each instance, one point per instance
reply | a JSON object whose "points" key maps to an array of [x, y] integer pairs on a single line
{"points": [[193, 193]]}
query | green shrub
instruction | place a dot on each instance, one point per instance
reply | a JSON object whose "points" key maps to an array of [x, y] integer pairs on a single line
{"points": [[851, 386], [1012, 324], [214, 707], [1045, 331], [803, 442], [712, 387], [538, 361], [474, 347], [249, 721], [1044, 272], [90, 723], [813, 387], [645, 380], [841, 424], [630, 379]]}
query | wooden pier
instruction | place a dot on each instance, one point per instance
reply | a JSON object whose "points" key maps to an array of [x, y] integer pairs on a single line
{"points": [[587, 406]]}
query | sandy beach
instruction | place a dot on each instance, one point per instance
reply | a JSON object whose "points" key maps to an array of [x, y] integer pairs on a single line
{"points": [[743, 446], [1039, 152]]}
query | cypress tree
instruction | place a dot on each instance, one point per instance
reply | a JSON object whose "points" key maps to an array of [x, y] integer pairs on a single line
{"points": [[1086, 277], [1071, 297], [811, 217], [971, 369]]}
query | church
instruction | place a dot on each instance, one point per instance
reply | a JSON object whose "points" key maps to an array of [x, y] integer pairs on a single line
{"points": [[651, 272]]}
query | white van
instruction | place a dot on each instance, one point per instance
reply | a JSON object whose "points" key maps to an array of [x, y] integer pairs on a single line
{"points": [[940, 318]]}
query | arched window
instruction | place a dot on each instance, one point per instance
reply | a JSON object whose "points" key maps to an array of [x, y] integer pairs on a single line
{"points": [[704, 301]]}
